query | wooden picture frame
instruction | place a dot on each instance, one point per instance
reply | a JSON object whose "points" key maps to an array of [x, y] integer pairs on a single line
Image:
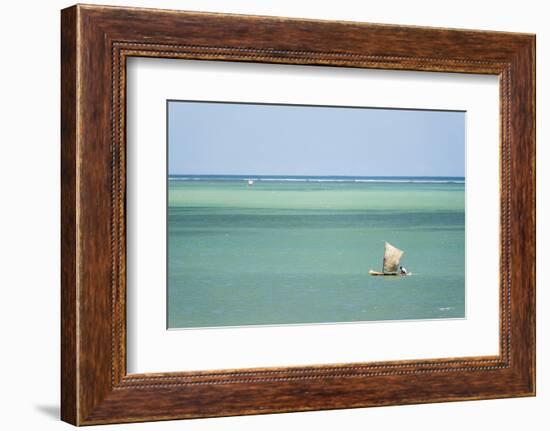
{"points": [[95, 43]]}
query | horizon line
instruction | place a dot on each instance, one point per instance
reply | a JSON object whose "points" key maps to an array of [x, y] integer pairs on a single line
{"points": [[317, 176]]}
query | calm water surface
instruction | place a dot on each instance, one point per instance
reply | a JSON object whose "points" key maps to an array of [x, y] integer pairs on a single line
{"points": [[289, 252]]}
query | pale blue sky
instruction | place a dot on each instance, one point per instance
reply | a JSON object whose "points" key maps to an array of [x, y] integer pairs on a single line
{"points": [[246, 139]]}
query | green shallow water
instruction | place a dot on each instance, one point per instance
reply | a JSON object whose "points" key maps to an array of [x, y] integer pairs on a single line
{"points": [[300, 252]]}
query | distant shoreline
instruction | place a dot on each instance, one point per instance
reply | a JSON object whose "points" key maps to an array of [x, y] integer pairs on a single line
{"points": [[303, 178]]}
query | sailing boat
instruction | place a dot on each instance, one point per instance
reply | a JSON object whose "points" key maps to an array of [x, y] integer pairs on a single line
{"points": [[392, 255]]}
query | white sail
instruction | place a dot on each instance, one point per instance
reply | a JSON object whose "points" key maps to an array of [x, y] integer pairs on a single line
{"points": [[392, 255]]}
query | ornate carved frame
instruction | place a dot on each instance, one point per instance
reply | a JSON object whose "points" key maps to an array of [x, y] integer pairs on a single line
{"points": [[96, 41]]}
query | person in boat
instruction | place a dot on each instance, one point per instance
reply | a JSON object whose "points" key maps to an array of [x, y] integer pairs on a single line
{"points": [[403, 270]]}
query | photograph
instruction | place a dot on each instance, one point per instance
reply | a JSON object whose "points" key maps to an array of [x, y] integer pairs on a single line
{"points": [[277, 210], [281, 214]]}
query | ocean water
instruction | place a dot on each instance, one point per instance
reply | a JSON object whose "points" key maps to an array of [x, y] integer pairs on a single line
{"points": [[298, 250]]}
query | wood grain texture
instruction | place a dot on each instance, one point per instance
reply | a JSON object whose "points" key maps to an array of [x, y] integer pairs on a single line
{"points": [[69, 366], [96, 41]]}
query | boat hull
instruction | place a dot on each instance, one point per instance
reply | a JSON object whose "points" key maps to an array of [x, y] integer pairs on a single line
{"points": [[390, 274]]}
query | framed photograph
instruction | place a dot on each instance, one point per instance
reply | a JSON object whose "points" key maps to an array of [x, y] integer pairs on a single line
{"points": [[265, 215]]}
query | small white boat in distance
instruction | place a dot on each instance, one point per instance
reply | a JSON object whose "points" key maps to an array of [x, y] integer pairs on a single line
{"points": [[250, 182], [392, 256]]}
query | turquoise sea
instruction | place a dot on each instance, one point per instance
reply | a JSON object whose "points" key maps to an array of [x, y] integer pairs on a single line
{"points": [[298, 250]]}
